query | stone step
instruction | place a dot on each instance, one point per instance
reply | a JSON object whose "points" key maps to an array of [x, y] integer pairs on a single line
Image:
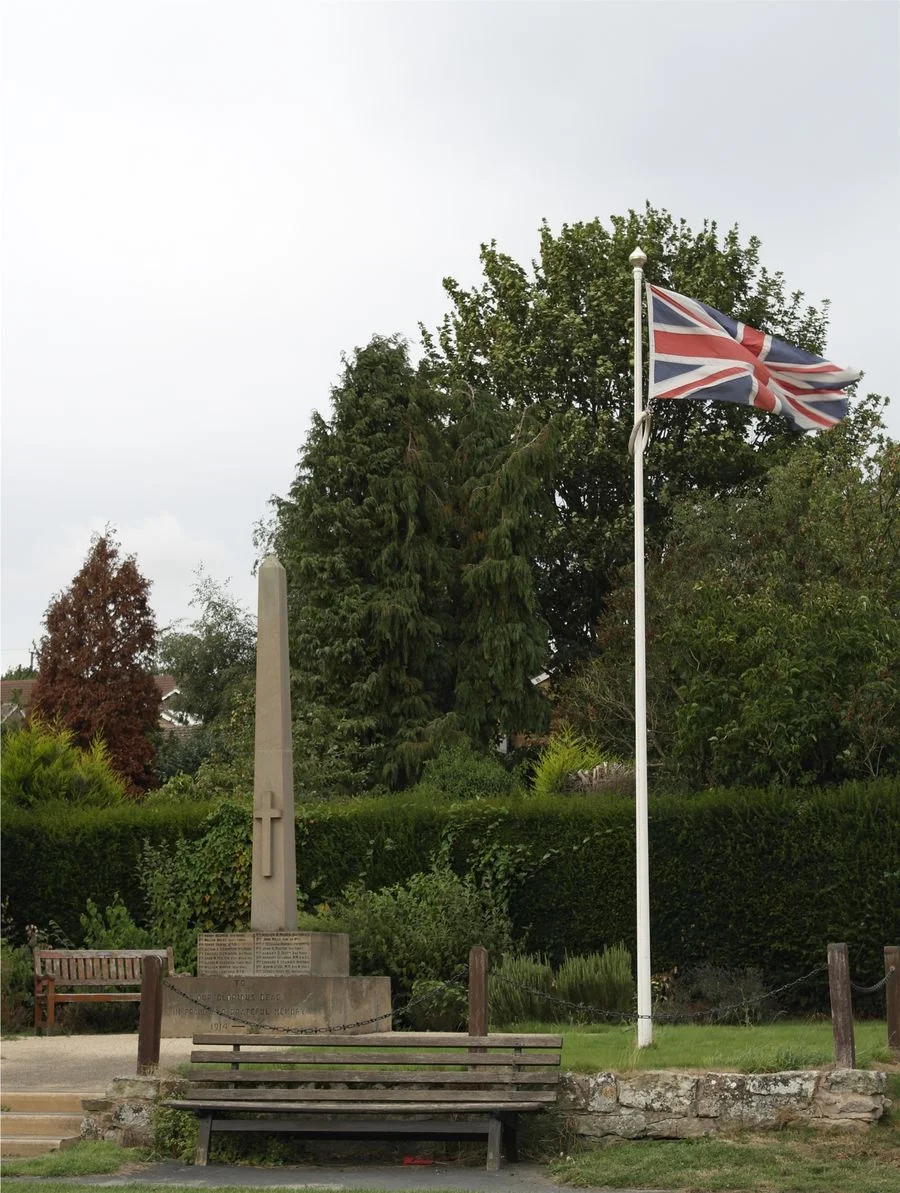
{"points": [[16, 1124], [42, 1103], [33, 1123], [27, 1145]]}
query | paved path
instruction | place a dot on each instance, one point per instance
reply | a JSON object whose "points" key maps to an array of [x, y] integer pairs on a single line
{"points": [[79, 1064], [436, 1178]]}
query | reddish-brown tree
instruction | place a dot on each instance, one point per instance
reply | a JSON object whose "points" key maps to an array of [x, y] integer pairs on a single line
{"points": [[95, 661]]}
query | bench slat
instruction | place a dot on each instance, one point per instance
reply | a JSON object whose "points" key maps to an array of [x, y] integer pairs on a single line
{"points": [[265, 1098], [362, 1077], [331, 1106], [384, 1039], [367, 1057]]}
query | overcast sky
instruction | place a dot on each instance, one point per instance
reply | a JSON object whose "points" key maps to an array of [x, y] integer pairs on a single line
{"points": [[207, 201]]}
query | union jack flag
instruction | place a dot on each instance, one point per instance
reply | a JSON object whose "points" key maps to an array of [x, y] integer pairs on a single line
{"points": [[697, 352]]}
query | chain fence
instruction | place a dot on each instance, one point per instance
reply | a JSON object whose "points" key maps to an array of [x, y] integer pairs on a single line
{"points": [[557, 1006], [457, 982], [659, 1015]]}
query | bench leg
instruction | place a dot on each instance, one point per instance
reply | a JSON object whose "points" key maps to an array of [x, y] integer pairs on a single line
{"points": [[495, 1129], [202, 1153]]}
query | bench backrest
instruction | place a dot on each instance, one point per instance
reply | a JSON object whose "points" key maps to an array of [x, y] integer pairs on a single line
{"points": [[387, 1066], [97, 967]]}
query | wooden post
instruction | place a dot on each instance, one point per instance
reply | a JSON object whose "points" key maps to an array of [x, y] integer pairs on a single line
{"points": [[150, 1023], [478, 991], [841, 1006], [892, 994]]}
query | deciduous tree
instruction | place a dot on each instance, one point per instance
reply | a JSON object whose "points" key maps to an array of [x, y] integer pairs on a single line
{"points": [[214, 655], [557, 339], [773, 614], [95, 661]]}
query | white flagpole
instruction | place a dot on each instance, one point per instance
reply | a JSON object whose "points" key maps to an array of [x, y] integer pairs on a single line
{"points": [[637, 443]]}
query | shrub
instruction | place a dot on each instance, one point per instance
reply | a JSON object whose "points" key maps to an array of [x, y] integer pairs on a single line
{"points": [[460, 772], [515, 988], [114, 928], [564, 754], [437, 1006], [597, 982], [200, 886], [16, 987], [731, 996], [41, 765], [423, 928]]}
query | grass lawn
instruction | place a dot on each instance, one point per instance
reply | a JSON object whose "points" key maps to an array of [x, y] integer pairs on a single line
{"points": [[767, 1048]]}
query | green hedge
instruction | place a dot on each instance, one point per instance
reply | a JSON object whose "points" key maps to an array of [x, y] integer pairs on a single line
{"points": [[738, 878], [56, 857]]}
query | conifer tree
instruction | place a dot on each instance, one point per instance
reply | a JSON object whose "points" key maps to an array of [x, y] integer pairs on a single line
{"points": [[407, 537], [497, 475], [360, 536], [95, 662]]}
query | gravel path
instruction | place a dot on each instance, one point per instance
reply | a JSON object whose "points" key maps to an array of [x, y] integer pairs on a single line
{"points": [[80, 1064]]}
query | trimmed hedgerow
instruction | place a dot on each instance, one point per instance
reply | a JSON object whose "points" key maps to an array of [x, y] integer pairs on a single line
{"points": [[738, 879], [55, 857]]}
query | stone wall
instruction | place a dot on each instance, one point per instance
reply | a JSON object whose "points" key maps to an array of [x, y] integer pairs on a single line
{"points": [[604, 1107], [124, 1114]]}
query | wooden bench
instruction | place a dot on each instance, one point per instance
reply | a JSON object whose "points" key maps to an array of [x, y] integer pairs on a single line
{"points": [[432, 1085], [88, 974]]}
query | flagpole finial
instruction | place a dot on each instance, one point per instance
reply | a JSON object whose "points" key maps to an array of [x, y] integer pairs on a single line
{"points": [[638, 258]]}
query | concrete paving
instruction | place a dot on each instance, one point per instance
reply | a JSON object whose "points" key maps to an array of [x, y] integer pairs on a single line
{"points": [[436, 1178], [78, 1064]]}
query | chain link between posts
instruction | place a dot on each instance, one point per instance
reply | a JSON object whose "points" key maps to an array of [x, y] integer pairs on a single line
{"points": [[594, 1013], [332, 1028]]}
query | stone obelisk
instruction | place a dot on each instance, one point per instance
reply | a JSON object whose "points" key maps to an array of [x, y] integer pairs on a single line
{"points": [[273, 976], [273, 906]]}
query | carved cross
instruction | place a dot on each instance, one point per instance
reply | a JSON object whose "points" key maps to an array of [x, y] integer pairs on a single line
{"points": [[266, 813]]}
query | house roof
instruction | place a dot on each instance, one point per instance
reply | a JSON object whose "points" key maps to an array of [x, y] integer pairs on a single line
{"points": [[20, 691]]}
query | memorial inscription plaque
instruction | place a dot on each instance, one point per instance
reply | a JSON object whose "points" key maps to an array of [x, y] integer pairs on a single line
{"points": [[272, 954]]}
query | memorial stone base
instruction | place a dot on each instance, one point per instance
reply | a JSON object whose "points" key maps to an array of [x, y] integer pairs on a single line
{"points": [[192, 1006]]}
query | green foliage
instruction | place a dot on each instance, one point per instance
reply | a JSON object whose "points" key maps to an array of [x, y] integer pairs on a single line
{"points": [[597, 982], [182, 753], [773, 642], [214, 656], [554, 341], [738, 879], [41, 764], [437, 1006], [565, 753], [16, 987], [422, 928], [461, 772], [55, 857], [20, 672], [407, 538], [95, 662], [515, 988], [85, 1158], [113, 928], [174, 1133], [200, 886]]}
